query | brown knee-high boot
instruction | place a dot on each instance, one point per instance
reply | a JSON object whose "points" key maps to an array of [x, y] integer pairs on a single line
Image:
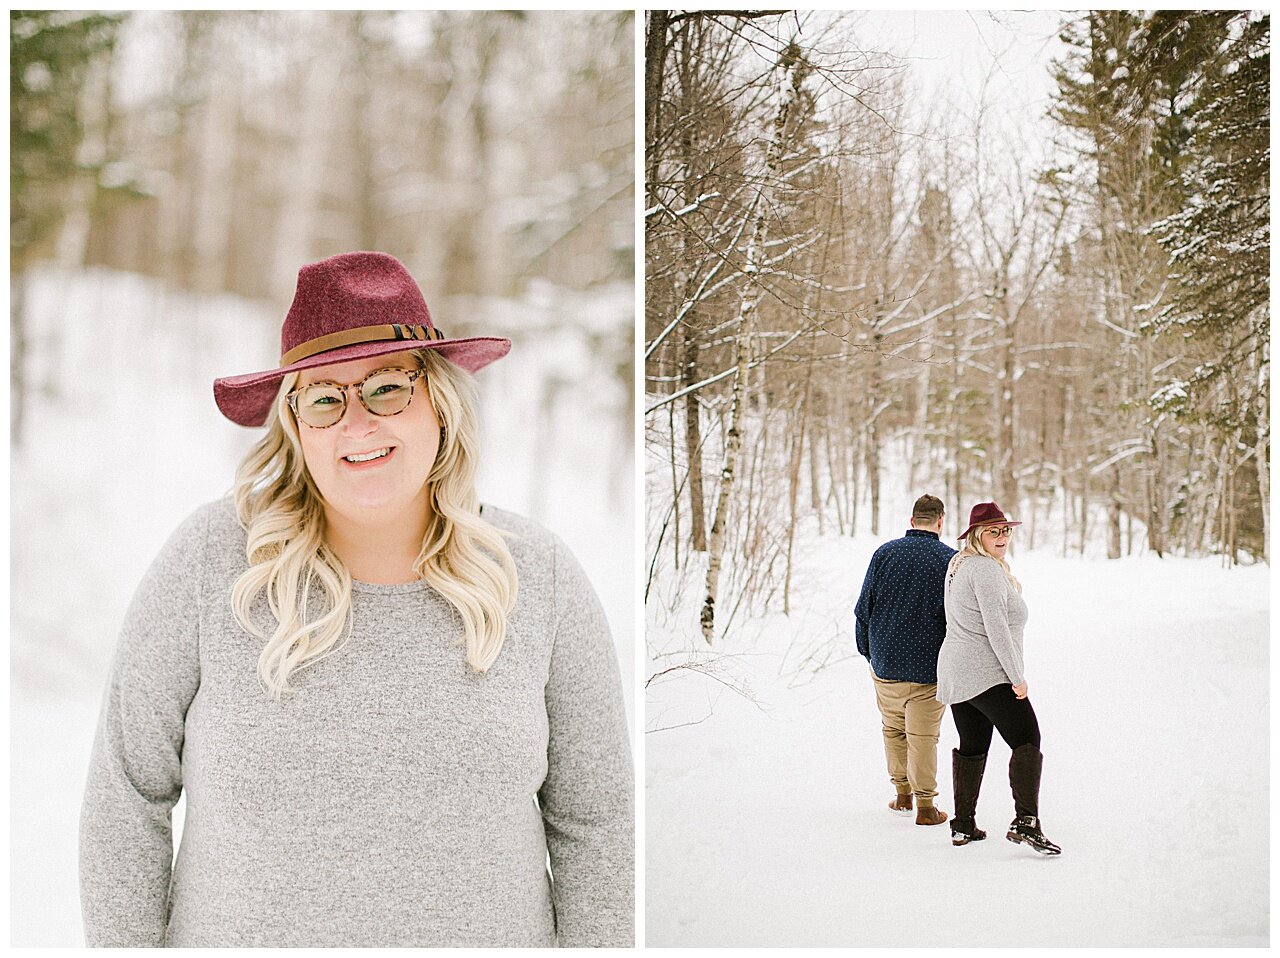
{"points": [[1025, 766], [966, 781]]}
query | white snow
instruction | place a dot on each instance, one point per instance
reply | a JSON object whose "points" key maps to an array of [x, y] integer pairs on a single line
{"points": [[766, 818], [123, 440]]}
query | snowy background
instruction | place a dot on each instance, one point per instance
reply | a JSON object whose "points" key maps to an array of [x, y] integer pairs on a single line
{"points": [[123, 441], [766, 784]]}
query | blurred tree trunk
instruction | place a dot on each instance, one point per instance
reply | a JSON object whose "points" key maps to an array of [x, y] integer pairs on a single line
{"points": [[180, 205], [213, 189], [364, 136], [81, 193], [18, 339], [306, 155]]}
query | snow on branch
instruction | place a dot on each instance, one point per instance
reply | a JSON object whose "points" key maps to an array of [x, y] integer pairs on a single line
{"points": [[684, 210], [1130, 447]]}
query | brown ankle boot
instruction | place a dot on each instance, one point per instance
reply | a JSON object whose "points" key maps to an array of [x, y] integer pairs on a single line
{"points": [[901, 804], [928, 815]]}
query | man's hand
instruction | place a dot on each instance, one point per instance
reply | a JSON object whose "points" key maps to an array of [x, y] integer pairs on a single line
{"points": [[1020, 690]]}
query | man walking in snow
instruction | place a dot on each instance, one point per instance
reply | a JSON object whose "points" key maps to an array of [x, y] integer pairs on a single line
{"points": [[900, 627]]}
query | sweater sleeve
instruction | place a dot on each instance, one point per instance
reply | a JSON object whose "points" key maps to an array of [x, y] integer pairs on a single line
{"points": [[587, 799], [991, 589], [135, 772]]}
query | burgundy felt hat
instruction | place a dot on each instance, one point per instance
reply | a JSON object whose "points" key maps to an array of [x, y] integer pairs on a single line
{"points": [[986, 514], [347, 307]]}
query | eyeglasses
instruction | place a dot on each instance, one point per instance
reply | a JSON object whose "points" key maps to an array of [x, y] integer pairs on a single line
{"points": [[1001, 533], [384, 392]]}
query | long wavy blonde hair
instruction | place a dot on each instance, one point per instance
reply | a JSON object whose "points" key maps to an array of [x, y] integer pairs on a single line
{"points": [[308, 588], [973, 546]]}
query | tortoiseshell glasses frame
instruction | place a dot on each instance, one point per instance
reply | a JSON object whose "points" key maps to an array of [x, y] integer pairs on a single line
{"points": [[310, 407]]}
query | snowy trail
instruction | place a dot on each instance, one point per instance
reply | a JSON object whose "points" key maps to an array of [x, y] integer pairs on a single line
{"points": [[767, 825]]}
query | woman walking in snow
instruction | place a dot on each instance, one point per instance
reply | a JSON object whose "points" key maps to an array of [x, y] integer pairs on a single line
{"points": [[980, 675], [380, 743]]}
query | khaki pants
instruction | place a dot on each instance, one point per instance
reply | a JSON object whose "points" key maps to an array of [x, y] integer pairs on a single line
{"points": [[911, 715]]}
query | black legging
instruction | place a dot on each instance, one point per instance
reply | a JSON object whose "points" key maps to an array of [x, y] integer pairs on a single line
{"points": [[996, 708]]}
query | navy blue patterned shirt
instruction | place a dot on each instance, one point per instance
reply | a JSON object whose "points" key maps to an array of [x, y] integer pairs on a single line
{"points": [[900, 619]]}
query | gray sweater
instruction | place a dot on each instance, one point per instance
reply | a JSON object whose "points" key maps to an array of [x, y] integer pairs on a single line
{"points": [[396, 798], [985, 619]]}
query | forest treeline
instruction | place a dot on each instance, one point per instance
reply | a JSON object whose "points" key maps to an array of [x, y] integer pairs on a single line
{"points": [[221, 150], [1082, 332]]}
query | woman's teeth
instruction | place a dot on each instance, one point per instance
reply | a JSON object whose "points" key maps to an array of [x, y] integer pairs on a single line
{"points": [[366, 456]]}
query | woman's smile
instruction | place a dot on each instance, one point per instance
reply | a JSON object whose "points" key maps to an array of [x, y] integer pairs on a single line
{"points": [[368, 460]]}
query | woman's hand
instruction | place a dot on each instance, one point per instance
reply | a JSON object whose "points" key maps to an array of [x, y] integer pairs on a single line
{"points": [[1020, 690]]}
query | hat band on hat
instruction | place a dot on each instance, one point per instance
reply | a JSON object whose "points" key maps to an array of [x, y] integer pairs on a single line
{"points": [[361, 334]]}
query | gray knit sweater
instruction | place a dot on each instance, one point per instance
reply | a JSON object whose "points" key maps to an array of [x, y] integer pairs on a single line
{"points": [[396, 798], [985, 619]]}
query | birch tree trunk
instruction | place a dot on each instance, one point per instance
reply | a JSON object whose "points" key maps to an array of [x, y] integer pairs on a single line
{"points": [[675, 485], [1008, 480], [793, 497], [1157, 514], [733, 444], [873, 434], [787, 92], [815, 481], [693, 445], [1262, 449], [954, 492], [1114, 550]]}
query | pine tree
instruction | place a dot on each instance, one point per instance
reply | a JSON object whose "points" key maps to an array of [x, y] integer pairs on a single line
{"points": [[1219, 242], [1219, 246], [49, 56]]}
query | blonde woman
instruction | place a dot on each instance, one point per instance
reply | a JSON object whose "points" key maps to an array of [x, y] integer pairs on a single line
{"points": [[387, 706], [980, 675]]}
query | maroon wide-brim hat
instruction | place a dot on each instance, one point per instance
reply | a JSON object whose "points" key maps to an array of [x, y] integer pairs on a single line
{"points": [[986, 514], [346, 307]]}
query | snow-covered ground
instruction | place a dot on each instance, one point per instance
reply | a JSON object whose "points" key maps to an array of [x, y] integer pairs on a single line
{"points": [[766, 784], [122, 441]]}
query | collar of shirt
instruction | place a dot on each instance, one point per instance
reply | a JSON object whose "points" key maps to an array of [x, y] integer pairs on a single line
{"points": [[922, 532]]}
